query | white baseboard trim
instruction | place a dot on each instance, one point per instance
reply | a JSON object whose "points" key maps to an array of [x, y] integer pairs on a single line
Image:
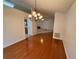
{"points": [[65, 50], [9, 44], [57, 38]]}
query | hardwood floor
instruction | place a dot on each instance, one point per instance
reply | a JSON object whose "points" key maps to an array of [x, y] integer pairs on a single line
{"points": [[41, 46]]}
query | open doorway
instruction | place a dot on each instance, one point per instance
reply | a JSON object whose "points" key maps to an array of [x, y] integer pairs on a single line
{"points": [[26, 26]]}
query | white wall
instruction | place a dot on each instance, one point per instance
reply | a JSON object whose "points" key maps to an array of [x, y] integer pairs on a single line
{"points": [[13, 26], [46, 24], [70, 33], [59, 24], [65, 24]]}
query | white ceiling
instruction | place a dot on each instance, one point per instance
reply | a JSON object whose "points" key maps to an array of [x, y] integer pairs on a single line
{"points": [[47, 6]]}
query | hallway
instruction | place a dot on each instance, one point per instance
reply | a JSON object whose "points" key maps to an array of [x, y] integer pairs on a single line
{"points": [[40, 46]]}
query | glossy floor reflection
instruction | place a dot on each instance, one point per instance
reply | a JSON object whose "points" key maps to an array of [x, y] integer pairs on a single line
{"points": [[41, 46]]}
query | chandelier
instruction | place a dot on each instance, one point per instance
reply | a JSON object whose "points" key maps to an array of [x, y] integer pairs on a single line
{"points": [[36, 14]]}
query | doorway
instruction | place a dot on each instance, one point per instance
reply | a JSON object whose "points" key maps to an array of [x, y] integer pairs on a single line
{"points": [[26, 26]]}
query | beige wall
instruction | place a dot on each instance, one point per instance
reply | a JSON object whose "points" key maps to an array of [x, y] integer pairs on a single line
{"points": [[59, 23], [13, 26], [70, 33], [34, 27]]}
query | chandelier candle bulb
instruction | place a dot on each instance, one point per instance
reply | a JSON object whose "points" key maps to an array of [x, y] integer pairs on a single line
{"points": [[33, 13], [40, 17], [38, 14], [30, 16]]}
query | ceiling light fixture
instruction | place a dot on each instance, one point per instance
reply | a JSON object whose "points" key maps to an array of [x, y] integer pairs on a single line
{"points": [[35, 14]]}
